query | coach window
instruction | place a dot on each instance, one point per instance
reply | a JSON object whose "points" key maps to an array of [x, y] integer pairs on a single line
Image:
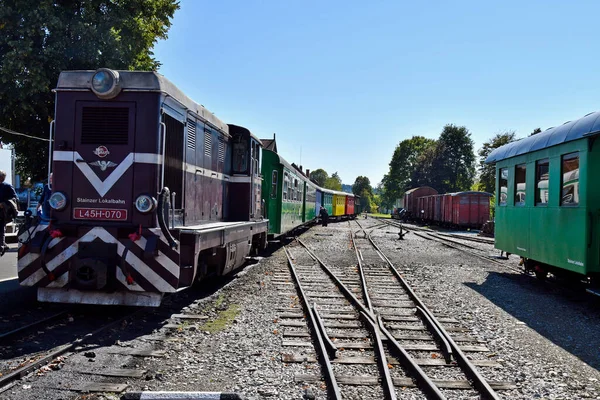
{"points": [[295, 190], [503, 178], [274, 184], [541, 182], [570, 179], [285, 186], [520, 185]]}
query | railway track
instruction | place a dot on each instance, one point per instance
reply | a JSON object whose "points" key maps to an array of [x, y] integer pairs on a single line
{"points": [[31, 346], [372, 335], [454, 241]]}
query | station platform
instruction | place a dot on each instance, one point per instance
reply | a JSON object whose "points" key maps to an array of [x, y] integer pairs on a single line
{"points": [[11, 294]]}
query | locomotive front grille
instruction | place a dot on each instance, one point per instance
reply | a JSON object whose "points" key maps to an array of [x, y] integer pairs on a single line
{"points": [[105, 125]]}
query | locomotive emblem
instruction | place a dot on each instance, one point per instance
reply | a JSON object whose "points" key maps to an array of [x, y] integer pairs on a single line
{"points": [[103, 164], [102, 151]]}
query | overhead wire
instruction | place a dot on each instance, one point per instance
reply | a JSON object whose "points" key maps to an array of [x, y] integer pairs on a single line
{"points": [[22, 134]]}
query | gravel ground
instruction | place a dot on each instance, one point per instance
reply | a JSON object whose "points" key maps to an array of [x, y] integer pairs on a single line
{"points": [[545, 337]]}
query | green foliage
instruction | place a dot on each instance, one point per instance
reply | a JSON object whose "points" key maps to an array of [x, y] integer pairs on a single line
{"points": [[362, 187], [402, 167], [334, 182], [453, 165], [40, 38], [487, 172], [319, 176], [361, 184], [536, 131]]}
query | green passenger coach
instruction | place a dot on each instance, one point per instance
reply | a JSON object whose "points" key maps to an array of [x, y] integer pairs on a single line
{"points": [[284, 190], [548, 206]]}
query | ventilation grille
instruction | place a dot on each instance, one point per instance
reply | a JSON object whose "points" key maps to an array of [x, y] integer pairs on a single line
{"points": [[191, 134], [207, 143], [105, 125], [221, 151]]}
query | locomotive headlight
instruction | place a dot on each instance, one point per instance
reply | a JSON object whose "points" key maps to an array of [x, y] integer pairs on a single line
{"points": [[145, 204], [58, 201], [105, 83]]}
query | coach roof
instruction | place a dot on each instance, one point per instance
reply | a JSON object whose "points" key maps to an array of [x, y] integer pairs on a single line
{"points": [[141, 81], [587, 126]]}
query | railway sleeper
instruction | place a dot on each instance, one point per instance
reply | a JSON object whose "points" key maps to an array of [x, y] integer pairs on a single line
{"points": [[426, 362], [404, 382]]}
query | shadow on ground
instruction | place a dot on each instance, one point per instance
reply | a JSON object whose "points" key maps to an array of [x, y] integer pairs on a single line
{"points": [[569, 318]]}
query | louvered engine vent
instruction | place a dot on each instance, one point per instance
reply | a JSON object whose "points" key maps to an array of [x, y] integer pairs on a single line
{"points": [[221, 151], [105, 125], [191, 134], [207, 143]]}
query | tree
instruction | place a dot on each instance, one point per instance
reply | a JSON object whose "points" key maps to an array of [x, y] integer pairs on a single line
{"points": [[402, 166], [334, 182], [426, 170], [40, 38], [362, 187], [536, 131], [454, 159], [319, 176], [361, 184], [487, 172]]}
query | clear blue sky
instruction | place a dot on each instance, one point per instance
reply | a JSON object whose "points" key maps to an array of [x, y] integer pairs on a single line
{"points": [[342, 82]]}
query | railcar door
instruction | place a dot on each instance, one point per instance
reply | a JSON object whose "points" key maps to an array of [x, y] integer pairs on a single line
{"points": [[174, 156], [103, 156]]}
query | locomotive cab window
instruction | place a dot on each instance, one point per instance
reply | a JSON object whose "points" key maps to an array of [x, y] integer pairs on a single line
{"points": [[520, 190], [503, 186], [570, 179], [541, 182]]}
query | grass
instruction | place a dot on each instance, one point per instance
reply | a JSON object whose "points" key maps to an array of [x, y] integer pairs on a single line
{"points": [[380, 215], [224, 318]]}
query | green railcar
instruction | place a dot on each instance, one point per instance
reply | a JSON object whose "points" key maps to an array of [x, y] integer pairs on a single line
{"points": [[310, 201], [548, 210], [284, 192], [327, 200]]}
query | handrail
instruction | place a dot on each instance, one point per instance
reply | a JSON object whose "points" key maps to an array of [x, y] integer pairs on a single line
{"points": [[163, 130], [51, 137]]}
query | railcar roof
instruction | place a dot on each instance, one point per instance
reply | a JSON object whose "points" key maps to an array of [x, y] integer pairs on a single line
{"points": [[288, 165], [140, 81], [567, 132], [470, 192], [417, 188]]}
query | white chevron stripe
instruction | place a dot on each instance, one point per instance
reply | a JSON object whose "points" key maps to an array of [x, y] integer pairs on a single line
{"points": [[31, 257], [31, 232], [102, 187], [162, 259], [61, 281], [98, 232]]}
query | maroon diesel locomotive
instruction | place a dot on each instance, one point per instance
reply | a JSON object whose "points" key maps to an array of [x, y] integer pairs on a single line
{"points": [[151, 193]]}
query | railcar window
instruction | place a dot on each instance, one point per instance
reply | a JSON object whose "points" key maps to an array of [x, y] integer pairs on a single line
{"points": [[503, 178], [520, 185], [285, 186], [570, 179], [295, 191], [274, 184], [542, 167]]}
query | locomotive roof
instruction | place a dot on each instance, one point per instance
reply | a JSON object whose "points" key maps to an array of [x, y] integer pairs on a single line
{"points": [[148, 81], [587, 126]]}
